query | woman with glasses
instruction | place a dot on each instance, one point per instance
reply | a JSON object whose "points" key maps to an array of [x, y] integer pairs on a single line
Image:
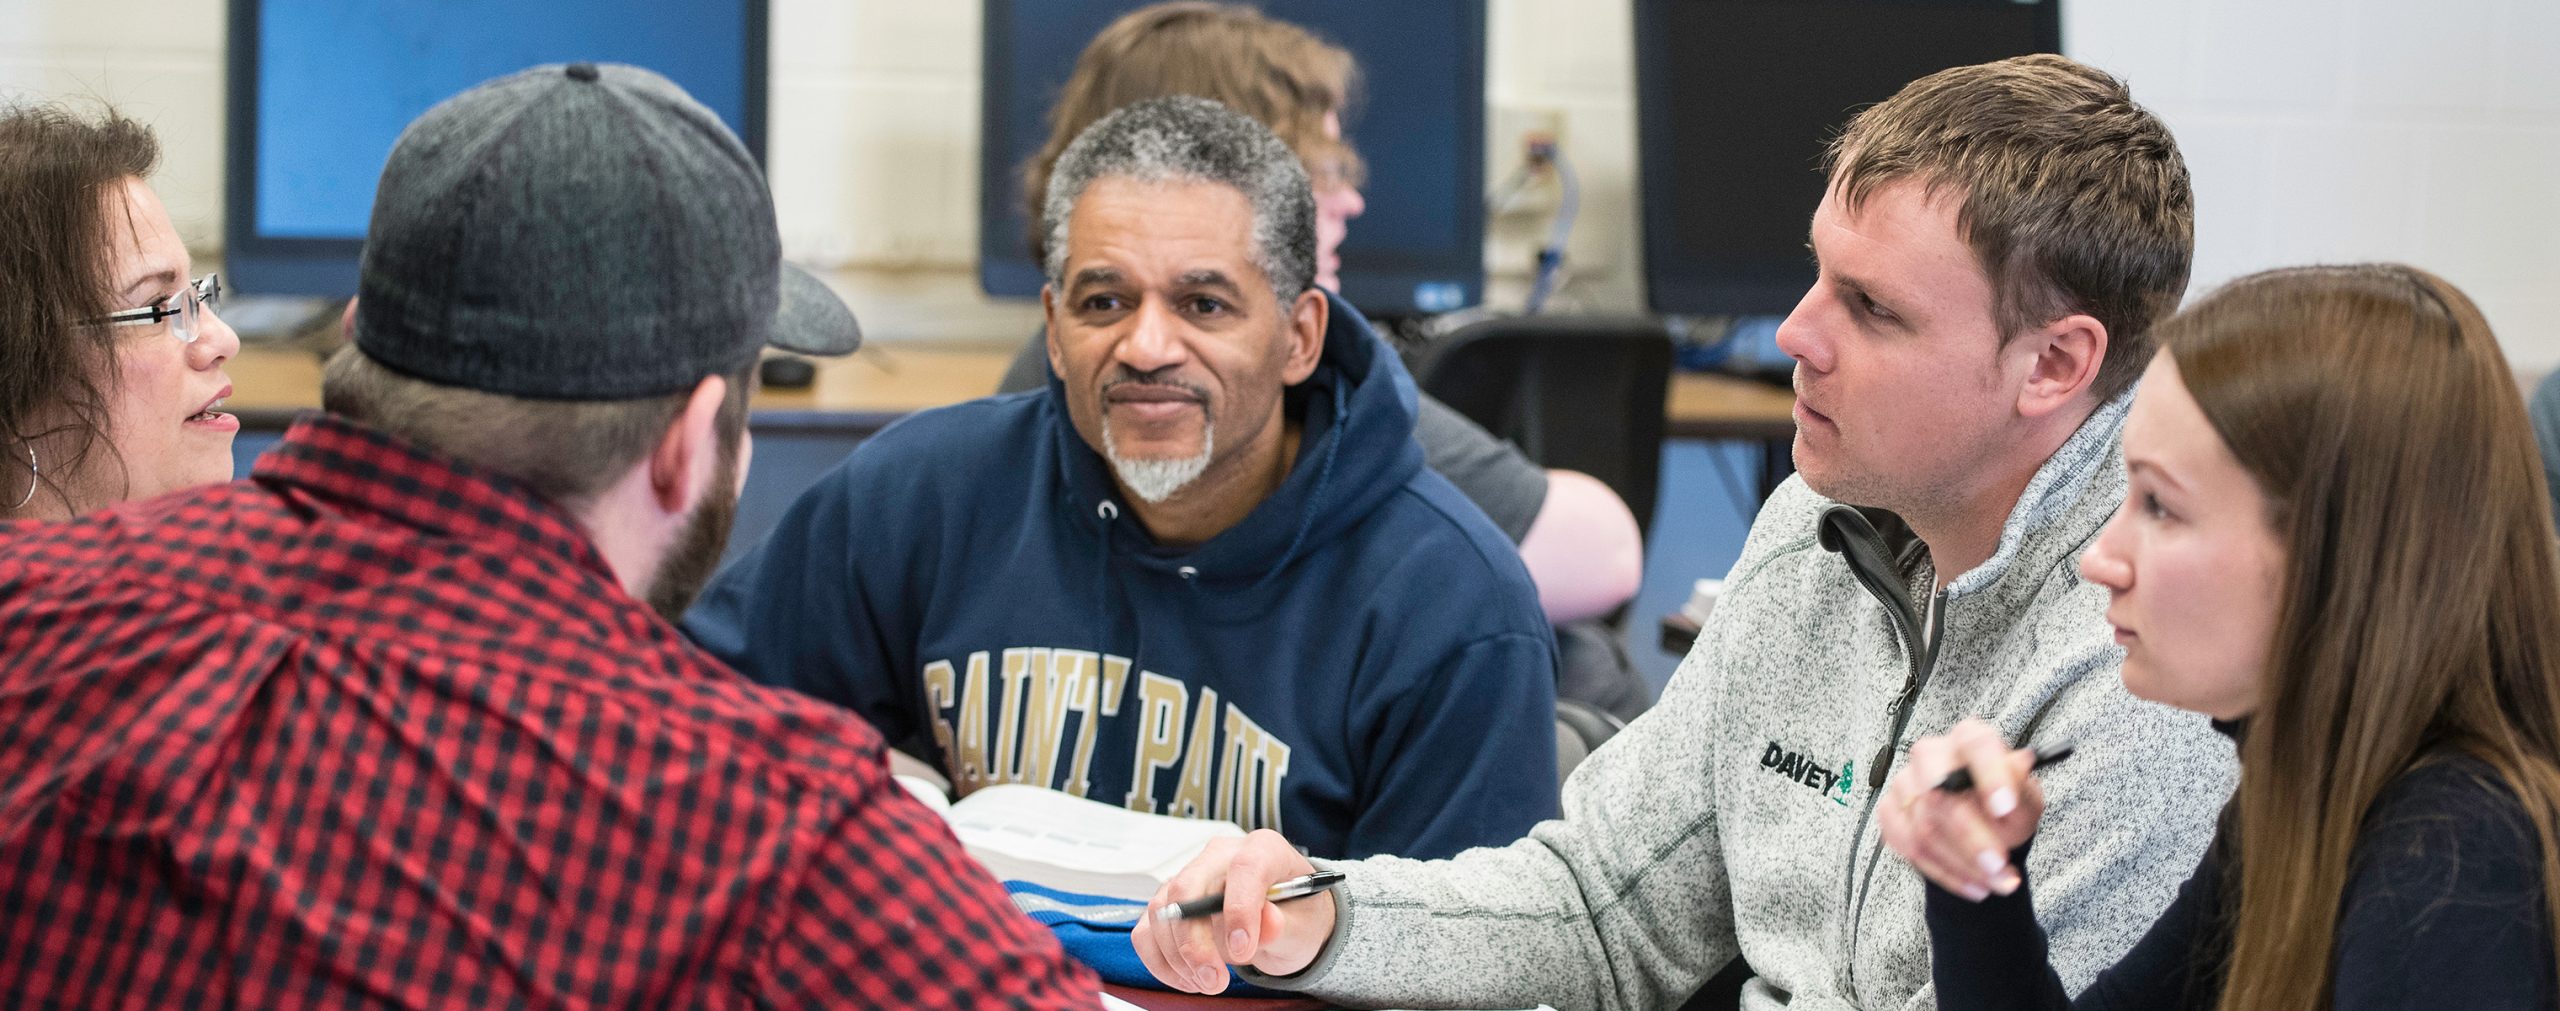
{"points": [[113, 383], [2335, 541]]}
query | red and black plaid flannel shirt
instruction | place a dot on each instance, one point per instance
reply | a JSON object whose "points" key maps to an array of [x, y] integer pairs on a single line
{"points": [[369, 729]]}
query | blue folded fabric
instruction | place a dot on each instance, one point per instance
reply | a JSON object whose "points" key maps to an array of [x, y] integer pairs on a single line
{"points": [[1095, 931]]}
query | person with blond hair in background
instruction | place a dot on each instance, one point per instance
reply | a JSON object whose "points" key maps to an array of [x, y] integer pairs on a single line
{"points": [[2336, 543], [114, 383]]}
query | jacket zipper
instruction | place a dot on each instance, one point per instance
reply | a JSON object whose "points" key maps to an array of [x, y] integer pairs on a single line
{"points": [[1902, 707], [1920, 657]]}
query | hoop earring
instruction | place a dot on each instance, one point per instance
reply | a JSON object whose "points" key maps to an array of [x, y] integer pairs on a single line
{"points": [[32, 472]]}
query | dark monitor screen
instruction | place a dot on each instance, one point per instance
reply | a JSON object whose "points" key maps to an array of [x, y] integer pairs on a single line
{"points": [[1418, 122], [319, 90], [1736, 99]]}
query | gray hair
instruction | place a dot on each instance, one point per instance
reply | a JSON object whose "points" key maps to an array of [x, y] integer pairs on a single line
{"points": [[1188, 139]]}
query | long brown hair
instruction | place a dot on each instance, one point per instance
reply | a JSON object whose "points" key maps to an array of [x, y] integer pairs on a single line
{"points": [[2421, 608], [1271, 70], [55, 168]]}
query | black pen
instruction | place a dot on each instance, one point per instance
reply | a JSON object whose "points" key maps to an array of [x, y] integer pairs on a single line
{"points": [[1281, 891], [1962, 779]]}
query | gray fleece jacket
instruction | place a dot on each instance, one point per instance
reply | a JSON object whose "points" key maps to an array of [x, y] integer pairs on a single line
{"points": [[1737, 817]]}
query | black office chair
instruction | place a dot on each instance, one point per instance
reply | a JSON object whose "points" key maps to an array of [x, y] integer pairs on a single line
{"points": [[1579, 393]]}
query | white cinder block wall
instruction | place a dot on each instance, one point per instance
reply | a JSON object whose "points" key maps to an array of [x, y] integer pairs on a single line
{"points": [[2318, 130], [2334, 130]]}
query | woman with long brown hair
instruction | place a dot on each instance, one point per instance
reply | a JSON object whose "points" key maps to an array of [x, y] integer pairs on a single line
{"points": [[2335, 542], [113, 356]]}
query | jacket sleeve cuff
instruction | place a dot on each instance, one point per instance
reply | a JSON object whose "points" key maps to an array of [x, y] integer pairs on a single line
{"points": [[1309, 977]]}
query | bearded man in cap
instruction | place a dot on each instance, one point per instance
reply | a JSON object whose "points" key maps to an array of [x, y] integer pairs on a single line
{"points": [[400, 720]]}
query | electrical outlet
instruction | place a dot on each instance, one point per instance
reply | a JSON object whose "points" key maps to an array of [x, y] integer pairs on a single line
{"points": [[1507, 143], [1513, 125]]}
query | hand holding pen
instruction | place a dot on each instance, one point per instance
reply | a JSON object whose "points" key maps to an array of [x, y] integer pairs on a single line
{"points": [[1960, 803], [1299, 887], [1252, 901]]}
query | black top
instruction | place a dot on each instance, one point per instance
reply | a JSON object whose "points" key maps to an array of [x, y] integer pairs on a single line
{"points": [[2443, 909]]}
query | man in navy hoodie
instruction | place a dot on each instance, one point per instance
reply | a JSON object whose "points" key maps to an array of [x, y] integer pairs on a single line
{"points": [[1205, 574]]}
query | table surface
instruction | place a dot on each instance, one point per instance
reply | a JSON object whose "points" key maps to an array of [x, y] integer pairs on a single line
{"points": [[885, 381]]}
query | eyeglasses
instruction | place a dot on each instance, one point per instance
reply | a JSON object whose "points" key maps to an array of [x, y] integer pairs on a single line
{"points": [[188, 308]]}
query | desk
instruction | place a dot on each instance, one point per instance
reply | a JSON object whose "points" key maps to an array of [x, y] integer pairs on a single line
{"points": [[861, 392], [856, 394], [1705, 405]]}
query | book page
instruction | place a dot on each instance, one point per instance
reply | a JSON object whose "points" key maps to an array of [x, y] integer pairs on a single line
{"points": [[1043, 826]]}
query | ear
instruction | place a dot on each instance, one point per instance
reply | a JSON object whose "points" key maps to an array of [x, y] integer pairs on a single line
{"points": [[1308, 317], [1049, 328], [681, 462], [2066, 356], [347, 324]]}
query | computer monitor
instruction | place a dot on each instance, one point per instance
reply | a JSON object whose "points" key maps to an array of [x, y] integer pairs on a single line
{"points": [[1735, 100], [1418, 123], [319, 90]]}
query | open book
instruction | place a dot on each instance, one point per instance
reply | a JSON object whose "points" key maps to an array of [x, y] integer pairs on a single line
{"points": [[1026, 833]]}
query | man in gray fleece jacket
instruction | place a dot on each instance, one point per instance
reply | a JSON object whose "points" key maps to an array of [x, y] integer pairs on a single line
{"points": [[1995, 242]]}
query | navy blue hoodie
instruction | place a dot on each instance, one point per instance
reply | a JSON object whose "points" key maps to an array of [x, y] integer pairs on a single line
{"points": [[1360, 663]]}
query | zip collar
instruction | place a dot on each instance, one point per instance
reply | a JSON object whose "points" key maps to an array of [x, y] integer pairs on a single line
{"points": [[2092, 455]]}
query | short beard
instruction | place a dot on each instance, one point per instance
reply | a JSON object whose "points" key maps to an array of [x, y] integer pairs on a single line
{"points": [[696, 552], [1154, 480]]}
